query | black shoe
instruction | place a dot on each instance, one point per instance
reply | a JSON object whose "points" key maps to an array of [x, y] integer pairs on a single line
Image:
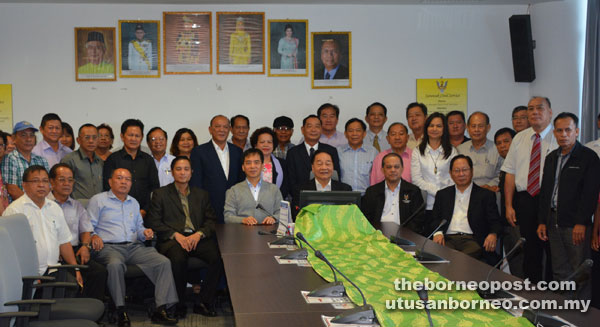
{"points": [[205, 309], [181, 311], [123, 319], [161, 317]]}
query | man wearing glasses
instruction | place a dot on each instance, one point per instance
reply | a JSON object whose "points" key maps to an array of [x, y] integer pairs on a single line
{"points": [[86, 165], [157, 142], [284, 129], [16, 162]]}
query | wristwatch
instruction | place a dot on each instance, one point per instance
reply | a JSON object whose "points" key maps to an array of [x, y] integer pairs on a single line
{"points": [[87, 245]]}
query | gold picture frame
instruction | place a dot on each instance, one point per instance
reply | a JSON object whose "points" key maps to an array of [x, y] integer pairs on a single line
{"points": [[337, 55], [141, 38], [240, 42], [95, 54], [288, 54], [187, 43]]}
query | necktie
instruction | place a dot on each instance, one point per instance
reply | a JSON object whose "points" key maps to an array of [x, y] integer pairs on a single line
{"points": [[533, 178], [312, 152], [327, 76], [376, 143]]}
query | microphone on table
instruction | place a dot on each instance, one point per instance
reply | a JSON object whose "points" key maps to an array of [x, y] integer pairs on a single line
{"points": [[422, 292], [272, 232], [425, 256], [334, 289], [487, 294], [401, 241], [544, 319]]}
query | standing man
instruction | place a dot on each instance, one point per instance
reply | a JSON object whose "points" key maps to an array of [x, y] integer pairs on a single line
{"points": [[356, 158], [299, 157], [524, 165], [252, 201], [330, 67], [157, 142], [140, 164], [416, 114], [50, 230], [16, 162], [474, 223], [50, 147], [119, 234], [329, 115], [86, 165], [568, 199], [284, 129], [376, 117], [486, 160], [185, 222], [397, 136], [240, 125], [519, 118], [139, 55], [216, 164], [456, 128], [393, 199], [78, 221]]}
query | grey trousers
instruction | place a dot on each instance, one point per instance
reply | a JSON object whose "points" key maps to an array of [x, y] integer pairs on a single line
{"points": [[566, 257], [154, 265]]}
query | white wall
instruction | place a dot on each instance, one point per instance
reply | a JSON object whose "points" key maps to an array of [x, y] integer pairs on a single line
{"points": [[392, 46]]}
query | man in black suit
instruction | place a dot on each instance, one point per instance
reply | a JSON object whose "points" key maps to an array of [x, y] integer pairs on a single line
{"points": [[298, 158], [217, 164], [330, 67], [184, 221], [393, 199], [568, 199], [322, 167], [474, 222]]}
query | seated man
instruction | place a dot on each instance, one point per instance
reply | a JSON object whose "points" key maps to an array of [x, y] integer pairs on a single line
{"points": [[78, 221], [252, 201], [393, 199], [471, 211], [184, 221], [322, 168], [118, 236], [50, 230]]}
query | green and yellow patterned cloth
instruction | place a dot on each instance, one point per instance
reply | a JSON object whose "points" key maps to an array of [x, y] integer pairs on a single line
{"points": [[368, 258]]}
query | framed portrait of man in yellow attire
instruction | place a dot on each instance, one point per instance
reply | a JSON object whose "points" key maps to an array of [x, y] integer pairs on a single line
{"points": [[240, 42], [95, 54]]}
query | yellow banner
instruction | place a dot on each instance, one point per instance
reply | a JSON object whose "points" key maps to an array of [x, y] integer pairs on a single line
{"points": [[6, 112], [443, 94]]}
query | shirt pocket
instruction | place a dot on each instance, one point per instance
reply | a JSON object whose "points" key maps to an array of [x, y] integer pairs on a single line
{"points": [[364, 169]]}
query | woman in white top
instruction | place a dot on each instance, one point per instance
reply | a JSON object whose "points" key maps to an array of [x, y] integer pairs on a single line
{"points": [[430, 162]]}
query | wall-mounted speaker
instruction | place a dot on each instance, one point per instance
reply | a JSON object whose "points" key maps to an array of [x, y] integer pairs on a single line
{"points": [[522, 47]]}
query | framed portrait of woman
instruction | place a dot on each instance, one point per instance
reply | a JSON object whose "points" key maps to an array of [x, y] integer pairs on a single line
{"points": [[139, 48], [187, 42], [288, 44], [95, 54], [332, 60], [240, 42]]}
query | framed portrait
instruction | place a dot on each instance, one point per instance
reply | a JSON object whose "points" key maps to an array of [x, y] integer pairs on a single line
{"points": [[288, 44], [187, 42], [332, 60], [95, 58], [139, 45], [240, 42]]}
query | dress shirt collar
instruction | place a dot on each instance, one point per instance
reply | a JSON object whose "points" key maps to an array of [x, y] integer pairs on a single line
{"points": [[331, 72], [320, 188], [218, 148], [316, 146], [27, 200], [125, 154], [467, 191], [486, 146], [83, 156], [257, 185], [46, 146], [387, 187], [346, 147], [68, 202], [440, 149], [111, 195], [543, 133]]}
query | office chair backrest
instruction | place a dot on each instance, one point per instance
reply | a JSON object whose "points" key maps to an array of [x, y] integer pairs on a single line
{"points": [[10, 274], [23, 243]]}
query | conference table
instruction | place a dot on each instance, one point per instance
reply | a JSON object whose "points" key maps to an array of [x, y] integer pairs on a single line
{"points": [[266, 293]]}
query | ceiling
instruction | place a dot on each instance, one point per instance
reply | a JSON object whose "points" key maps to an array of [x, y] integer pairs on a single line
{"points": [[337, 2]]}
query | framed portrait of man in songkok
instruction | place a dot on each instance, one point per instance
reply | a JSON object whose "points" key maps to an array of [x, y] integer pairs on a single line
{"points": [[95, 58], [332, 60], [139, 44], [187, 42], [240, 42]]}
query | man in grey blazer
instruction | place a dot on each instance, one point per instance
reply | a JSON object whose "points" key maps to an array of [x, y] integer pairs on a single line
{"points": [[252, 201]]}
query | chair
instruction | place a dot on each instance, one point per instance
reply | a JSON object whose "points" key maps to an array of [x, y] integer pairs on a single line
{"points": [[10, 294], [24, 244]]}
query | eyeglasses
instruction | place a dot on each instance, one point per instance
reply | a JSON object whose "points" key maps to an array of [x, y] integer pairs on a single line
{"points": [[90, 137], [38, 181], [284, 128], [458, 170], [159, 139]]}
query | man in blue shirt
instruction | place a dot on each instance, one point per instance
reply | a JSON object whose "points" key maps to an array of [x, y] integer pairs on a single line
{"points": [[118, 235], [356, 158]]}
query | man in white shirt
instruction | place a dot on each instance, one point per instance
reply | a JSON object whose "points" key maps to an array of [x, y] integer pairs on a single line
{"points": [[472, 213], [524, 165], [48, 225], [416, 114], [329, 115], [157, 142]]}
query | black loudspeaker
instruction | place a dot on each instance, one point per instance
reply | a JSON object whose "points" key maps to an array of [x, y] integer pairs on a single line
{"points": [[522, 47]]}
